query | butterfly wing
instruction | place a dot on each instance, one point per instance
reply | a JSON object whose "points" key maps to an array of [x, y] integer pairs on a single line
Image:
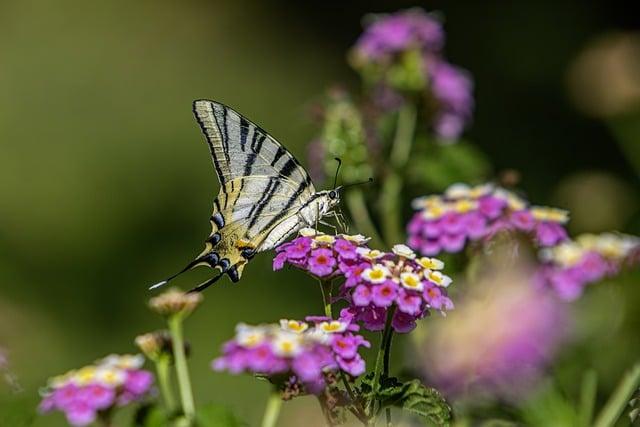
{"points": [[262, 187]]}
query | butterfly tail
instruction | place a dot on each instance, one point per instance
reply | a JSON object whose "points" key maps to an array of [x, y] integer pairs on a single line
{"points": [[210, 259], [234, 272]]}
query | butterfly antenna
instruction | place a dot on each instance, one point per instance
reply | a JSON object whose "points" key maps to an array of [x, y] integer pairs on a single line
{"points": [[168, 279], [353, 184], [335, 178]]}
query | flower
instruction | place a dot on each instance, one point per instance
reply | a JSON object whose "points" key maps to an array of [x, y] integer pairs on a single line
{"points": [[452, 87], [397, 280], [521, 329], [174, 301], [391, 34], [82, 394], [464, 214], [321, 255], [302, 356], [155, 344], [572, 265]]}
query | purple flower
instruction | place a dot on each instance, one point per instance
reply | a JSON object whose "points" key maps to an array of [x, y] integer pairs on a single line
{"points": [[403, 322], [452, 87], [110, 382], [398, 32], [299, 248], [80, 413], [362, 295], [409, 302], [298, 351], [467, 214], [138, 382], [384, 295], [354, 367], [97, 396], [345, 249], [321, 262]]}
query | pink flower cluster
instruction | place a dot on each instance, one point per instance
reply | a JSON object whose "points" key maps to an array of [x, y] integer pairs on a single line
{"points": [[110, 382], [397, 280], [447, 222], [321, 255], [303, 351], [569, 267]]}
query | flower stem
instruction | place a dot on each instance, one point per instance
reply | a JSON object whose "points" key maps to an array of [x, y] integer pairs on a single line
{"points": [[162, 367], [182, 371], [382, 360], [272, 410], [357, 409], [390, 203], [361, 216], [616, 404], [325, 287]]}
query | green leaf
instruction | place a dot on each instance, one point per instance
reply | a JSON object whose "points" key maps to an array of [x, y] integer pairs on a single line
{"points": [[214, 415], [412, 396]]}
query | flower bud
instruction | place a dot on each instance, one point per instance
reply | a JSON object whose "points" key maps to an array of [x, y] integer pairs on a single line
{"points": [[175, 301], [155, 344]]}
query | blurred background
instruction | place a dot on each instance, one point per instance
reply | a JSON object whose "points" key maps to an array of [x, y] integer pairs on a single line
{"points": [[106, 185]]}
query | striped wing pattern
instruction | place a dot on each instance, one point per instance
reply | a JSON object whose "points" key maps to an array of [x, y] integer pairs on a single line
{"points": [[261, 186]]}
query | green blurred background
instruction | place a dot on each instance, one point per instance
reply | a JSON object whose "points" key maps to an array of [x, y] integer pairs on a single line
{"points": [[106, 185]]}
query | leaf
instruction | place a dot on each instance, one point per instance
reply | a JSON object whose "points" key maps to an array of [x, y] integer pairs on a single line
{"points": [[412, 396], [215, 415], [150, 416]]}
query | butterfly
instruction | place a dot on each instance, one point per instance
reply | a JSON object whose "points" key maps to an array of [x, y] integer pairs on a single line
{"points": [[265, 194]]}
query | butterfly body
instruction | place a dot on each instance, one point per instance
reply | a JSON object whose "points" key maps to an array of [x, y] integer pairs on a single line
{"points": [[265, 194]]}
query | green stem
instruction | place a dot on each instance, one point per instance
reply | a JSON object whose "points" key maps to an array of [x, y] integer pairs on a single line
{"points": [[162, 367], [381, 360], [385, 369], [361, 217], [403, 139], [325, 287], [272, 410], [620, 398], [390, 200], [357, 409], [184, 383], [588, 391]]}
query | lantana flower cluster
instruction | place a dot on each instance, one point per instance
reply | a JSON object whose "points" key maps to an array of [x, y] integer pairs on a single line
{"points": [[569, 267], [373, 281], [322, 255], [463, 214], [398, 281], [301, 351], [116, 380], [404, 52]]}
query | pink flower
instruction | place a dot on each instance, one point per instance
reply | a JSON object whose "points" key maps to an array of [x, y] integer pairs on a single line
{"points": [[403, 322], [80, 413], [362, 295], [321, 262], [383, 295], [345, 249], [138, 382], [299, 248], [97, 396], [279, 260], [523, 220], [409, 303]]}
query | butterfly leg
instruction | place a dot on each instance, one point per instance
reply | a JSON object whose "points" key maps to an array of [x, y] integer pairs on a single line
{"points": [[333, 227]]}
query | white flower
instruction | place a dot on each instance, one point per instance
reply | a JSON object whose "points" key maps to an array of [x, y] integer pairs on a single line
{"points": [[324, 239], [431, 263], [457, 191], [403, 251], [425, 202], [308, 232], [250, 336], [287, 344], [370, 254], [411, 281], [376, 274], [334, 326], [110, 376], [294, 326], [358, 239], [438, 278]]}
